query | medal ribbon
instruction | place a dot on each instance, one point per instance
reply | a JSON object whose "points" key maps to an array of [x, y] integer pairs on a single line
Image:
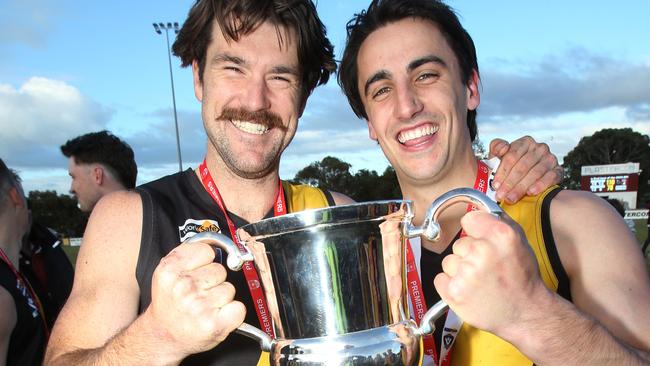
{"points": [[252, 277], [453, 322], [31, 294]]}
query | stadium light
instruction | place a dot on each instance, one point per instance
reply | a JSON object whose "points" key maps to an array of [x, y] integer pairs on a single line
{"points": [[159, 28]]}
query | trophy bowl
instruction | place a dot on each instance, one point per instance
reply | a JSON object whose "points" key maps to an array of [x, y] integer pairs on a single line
{"points": [[334, 280]]}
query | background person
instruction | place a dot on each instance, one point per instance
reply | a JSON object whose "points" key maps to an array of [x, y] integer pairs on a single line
{"points": [[23, 329], [48, 269], [98, 163]]}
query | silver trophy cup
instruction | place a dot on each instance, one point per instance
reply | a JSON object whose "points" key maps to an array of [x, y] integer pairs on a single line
{"points": [[335, 281]]}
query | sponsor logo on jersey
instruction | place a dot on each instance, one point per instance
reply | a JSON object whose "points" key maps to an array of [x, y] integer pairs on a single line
{"points": [[192, 227]]}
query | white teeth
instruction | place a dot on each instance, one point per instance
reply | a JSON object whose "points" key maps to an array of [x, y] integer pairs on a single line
{"points": [[250, 127], [415, 133]]}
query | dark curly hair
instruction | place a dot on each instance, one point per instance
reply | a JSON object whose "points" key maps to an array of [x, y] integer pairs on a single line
{"points": [[107, 149], [383, 12], [237, 18]]}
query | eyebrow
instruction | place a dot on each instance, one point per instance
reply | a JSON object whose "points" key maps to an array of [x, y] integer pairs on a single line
{"points": [[379, 75], [224, 57], [383, 74], [279, 69]]}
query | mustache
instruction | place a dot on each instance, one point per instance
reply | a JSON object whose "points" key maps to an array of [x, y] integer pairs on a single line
{"points": [[266, 118]]}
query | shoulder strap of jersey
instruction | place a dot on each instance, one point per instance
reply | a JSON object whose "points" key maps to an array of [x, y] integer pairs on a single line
{"points": [[301, 197]]}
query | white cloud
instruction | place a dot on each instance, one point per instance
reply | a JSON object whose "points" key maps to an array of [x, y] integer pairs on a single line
{"points": [[562, 132], [42, 114], [574, 81]]}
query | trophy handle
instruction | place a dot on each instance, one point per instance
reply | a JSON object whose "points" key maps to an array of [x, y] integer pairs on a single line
{"points": [[430, 227], [431, 230], [235, 261]]}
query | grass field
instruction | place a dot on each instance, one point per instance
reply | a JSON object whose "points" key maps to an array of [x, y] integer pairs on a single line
{"points": [[641, 234], [71, 252]]}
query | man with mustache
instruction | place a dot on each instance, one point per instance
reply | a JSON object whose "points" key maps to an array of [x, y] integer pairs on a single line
{"points": [[567, 287], [139, 296]]}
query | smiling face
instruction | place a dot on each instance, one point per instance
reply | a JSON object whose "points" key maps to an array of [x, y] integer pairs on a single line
{"points": [[251, 102], [416, 102]]}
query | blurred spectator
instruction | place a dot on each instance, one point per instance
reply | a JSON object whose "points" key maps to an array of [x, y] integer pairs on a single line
{"points": [[98, 163], [23, 328], [48, 269], [620, 208]]}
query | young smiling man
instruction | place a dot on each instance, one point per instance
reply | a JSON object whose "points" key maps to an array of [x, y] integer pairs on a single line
{"points": [[139, 296], [568, 286]]}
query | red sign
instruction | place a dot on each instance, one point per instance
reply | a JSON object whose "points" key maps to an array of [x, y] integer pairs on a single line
{"points": [[610, 183]]}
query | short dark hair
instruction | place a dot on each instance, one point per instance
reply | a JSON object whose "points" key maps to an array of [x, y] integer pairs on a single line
{"points": [[241, 17], [107, 149], [383, 12]]}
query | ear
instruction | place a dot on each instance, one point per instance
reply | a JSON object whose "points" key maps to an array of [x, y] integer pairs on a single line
{"points": [[16, 197], [98, 174], [371, 131], [198, 85], [473, 94]]}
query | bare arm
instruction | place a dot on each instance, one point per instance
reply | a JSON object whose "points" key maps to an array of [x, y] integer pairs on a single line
{"points": [[492, 282], [609, 287], [104, 298], [7, 323], [527, 167], [99, 324]]}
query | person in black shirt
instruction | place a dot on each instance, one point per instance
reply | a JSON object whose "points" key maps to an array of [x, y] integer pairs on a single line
{"points": [[23, 329], [47, 268]]}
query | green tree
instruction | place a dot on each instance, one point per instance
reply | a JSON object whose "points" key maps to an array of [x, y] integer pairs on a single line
{"points": [[609, 146], [334, 174], [59, 212], [330, 173]]}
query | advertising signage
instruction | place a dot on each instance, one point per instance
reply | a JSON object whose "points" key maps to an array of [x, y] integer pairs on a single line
{"points": [[617, 181], [610, 183]]}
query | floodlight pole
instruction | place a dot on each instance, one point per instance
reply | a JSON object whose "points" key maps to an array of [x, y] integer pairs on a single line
{"points": [[167, 27]]}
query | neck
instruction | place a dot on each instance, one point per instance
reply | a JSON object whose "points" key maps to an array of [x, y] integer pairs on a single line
{"points": [[10, 244], [424, 193], [249, 199]]}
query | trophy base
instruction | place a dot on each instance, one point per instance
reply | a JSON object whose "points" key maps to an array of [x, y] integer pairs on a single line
{"points": [[397, 344]]}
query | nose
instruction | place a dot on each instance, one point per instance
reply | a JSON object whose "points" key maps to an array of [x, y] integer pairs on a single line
{"points": [[408, 102], [256, 95]]}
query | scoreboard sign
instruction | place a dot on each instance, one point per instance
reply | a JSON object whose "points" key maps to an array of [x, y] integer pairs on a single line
{"points": [[617, 181], [610, 183]]}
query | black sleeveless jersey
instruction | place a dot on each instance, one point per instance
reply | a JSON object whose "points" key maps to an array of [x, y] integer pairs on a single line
{"points": [[28, 339], [176, 207]]}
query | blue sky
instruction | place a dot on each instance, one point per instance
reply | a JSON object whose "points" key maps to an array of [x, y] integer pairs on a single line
{"points": [[555, 70]]}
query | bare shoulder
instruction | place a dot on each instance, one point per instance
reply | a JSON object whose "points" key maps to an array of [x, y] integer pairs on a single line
{"points": [[586, 227], [341, 199], [607, 273], [105, 294], [113, 233]]}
